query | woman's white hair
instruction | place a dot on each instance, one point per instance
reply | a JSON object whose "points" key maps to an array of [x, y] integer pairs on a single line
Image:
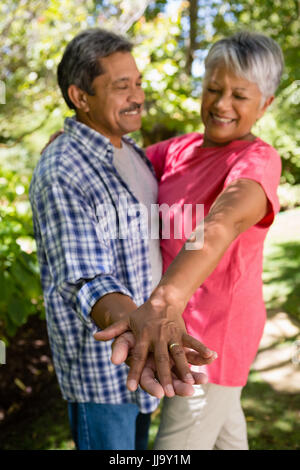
{"points": [[253, 56]]}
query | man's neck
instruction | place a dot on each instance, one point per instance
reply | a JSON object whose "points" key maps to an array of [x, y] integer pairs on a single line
{"points": [[115, 140]]}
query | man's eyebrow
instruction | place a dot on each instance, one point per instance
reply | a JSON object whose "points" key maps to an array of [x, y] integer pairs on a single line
{"points": [[125, 79]]}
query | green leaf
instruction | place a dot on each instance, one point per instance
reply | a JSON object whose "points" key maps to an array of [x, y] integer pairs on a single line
{"points": [[26, 279], [17, 310]]}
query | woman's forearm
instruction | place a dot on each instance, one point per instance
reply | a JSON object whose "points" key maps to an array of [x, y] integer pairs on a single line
{"points": [[240, 206], [190, 268]]}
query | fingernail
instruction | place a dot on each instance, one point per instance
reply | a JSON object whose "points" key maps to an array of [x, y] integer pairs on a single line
{"points": [[132, 385], [189, 377], [209, 352], [170, 391]]}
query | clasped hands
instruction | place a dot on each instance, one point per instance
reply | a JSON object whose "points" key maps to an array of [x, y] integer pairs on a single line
{"points": [[153, 341]]}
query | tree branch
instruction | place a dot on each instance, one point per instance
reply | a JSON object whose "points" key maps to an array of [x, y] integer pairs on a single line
{"points": [[130, 14]]}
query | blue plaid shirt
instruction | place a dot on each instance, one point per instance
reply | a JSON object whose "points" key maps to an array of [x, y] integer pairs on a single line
{"points": [[79, 263]]}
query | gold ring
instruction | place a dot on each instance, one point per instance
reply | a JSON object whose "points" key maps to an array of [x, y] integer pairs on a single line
{"points": [[172, 345]]}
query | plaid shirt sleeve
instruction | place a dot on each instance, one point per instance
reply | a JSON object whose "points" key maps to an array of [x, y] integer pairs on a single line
{"points": [[81, 263]]}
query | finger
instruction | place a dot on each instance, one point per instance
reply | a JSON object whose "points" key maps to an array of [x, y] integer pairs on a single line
{"points": [[182, 389], [138, 359], [121, 347], [163, 368], [150, 384], [187, 390], [51, 139], [197, 359], [200, 378], [183, 371], [112, 331], [204, 352]]}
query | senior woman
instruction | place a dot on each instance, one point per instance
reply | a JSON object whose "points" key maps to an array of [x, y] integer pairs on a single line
{"points": [[218, 287]]}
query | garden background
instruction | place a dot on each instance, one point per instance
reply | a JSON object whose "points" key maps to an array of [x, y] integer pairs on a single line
{"points": [[172, 38]]}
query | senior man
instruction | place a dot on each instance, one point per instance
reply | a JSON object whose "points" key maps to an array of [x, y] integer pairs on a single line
{"points": [[91, 275]]}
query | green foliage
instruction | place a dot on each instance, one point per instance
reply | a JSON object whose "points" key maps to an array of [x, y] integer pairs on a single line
{"points": [[33, 35], [172, 107], [20, 290]]}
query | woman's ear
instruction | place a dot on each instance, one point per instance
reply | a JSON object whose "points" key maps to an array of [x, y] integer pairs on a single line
{"points": [[266, 104], [78, 98]]}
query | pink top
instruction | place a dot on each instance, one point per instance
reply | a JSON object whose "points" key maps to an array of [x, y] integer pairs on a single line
{"points": [[227, 312]]}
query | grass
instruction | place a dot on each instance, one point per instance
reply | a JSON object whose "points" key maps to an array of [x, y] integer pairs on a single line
{"points": [[273, 418], [282, 277], [281, 264]]}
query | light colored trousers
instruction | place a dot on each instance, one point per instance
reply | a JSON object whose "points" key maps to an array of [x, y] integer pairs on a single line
{"points": [[211, 419]]}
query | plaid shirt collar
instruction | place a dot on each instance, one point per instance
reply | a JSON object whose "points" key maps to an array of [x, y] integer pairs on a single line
{"points": [[99, 144]]}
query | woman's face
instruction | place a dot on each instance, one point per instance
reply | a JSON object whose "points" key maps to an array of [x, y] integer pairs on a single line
{"points": [[230, 107]]}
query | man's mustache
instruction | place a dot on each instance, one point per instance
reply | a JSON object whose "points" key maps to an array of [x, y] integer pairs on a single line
{"points": [[135, 107]]}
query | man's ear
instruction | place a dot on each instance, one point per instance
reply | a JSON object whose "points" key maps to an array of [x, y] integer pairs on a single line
{"points": [[78, 98]]}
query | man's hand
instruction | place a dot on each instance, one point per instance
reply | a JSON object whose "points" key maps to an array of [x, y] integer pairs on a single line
{"points": [[160, 330], [151, 385]]}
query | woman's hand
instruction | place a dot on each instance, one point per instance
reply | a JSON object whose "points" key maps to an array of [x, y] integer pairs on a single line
{"points": [[52, 138]]}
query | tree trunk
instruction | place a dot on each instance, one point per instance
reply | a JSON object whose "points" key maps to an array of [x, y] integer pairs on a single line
{"points": [[192, 45]]}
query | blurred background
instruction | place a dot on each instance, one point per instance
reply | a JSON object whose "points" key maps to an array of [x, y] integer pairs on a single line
{"points": [[172, 38]]}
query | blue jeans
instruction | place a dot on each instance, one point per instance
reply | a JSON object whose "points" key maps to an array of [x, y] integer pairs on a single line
{"points": [[97, 426]]}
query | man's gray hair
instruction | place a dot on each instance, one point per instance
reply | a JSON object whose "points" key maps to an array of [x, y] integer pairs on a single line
{"points": [[80, 63], [253, 56]]}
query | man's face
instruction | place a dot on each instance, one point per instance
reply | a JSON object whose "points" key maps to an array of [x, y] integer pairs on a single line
{"points": [[116, 107]]}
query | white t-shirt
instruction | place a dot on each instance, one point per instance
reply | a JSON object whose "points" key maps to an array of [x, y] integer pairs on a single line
{"points": [[139, 179]]}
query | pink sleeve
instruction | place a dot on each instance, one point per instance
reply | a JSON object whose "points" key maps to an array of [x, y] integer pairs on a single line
{"points": [[262, 165], [157, 154]]}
